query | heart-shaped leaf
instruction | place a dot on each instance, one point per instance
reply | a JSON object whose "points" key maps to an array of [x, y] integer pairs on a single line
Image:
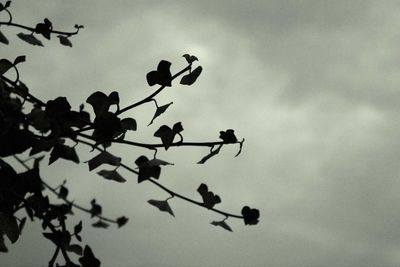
{"points": [[190, 58], [209, 198], [64, 152], [44, 28], [161, 76], [161, 205], [228, 136], [167, 134], [77, 249], [19, 59], [128, 124], [147, 171], [250, 216]]}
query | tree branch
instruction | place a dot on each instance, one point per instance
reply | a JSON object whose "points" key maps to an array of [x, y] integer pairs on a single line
{"points": [[33, 29]]}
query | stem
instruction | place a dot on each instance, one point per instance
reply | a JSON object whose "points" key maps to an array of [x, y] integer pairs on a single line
{"points": [[172, 193], [149, 98], [33, 29], [54, 191]]}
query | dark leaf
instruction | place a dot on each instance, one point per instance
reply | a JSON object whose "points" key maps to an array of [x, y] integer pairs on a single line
{"points": [[209, 198], [112, 175], [96, 208], [7, 4], [128, 124], [228, 136], [64, 152], [44, 28], [114, 98], [190, 78], [104, 157], [58, 108], [88, 259], [3, 39], [9, 226], [59, 238], [63, 192], [155, 162], [162, 205], [146, 172], [121, 221], [19, 59], [190, 58], [167, 134], [107, 127], [161, 76], [64, 40], [15, 141], [100, 224], [99, 102], [3, 247], [77, 249], [5, 65], [30, 39], [210, 155], [250, 216], [39, 119], [160, 110], [222, 224], [78, 228]]}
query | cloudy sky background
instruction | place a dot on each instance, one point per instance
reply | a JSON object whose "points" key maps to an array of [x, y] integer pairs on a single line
{"points": [[313, 86]]}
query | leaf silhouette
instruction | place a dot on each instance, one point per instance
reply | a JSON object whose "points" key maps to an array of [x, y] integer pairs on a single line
{"points": [[146, 169], [77, 249], [9, 226], [96, 208], [64, 152], [102, 158], [161, 205], [100, 224], [44, 28], [3, 39], [190, 78], [209, 198], [160, 110], [19, 59], [128, 124], [167, 134], [88, 259], [64, 40], [121, 221], [161, 76], [112, 175], [190, 58], [63, 192], [222, 224], [30, 39], [250, 215], [5, 65], [228, 136], [3, 247]]}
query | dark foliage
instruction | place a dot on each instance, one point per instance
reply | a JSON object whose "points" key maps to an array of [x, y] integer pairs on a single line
{"points": [[30, 127]]}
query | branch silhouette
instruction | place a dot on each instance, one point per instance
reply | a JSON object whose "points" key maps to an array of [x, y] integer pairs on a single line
{"points": [[36, 128]]}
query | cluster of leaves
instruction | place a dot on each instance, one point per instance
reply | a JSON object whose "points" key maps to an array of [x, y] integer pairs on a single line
{"points": [[36, 129]]}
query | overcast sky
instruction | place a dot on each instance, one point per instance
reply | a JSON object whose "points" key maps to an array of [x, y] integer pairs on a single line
{"points": [[313, 87]]}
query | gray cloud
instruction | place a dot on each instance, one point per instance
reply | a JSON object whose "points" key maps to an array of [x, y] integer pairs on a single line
{"points": [[311, 85]]}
